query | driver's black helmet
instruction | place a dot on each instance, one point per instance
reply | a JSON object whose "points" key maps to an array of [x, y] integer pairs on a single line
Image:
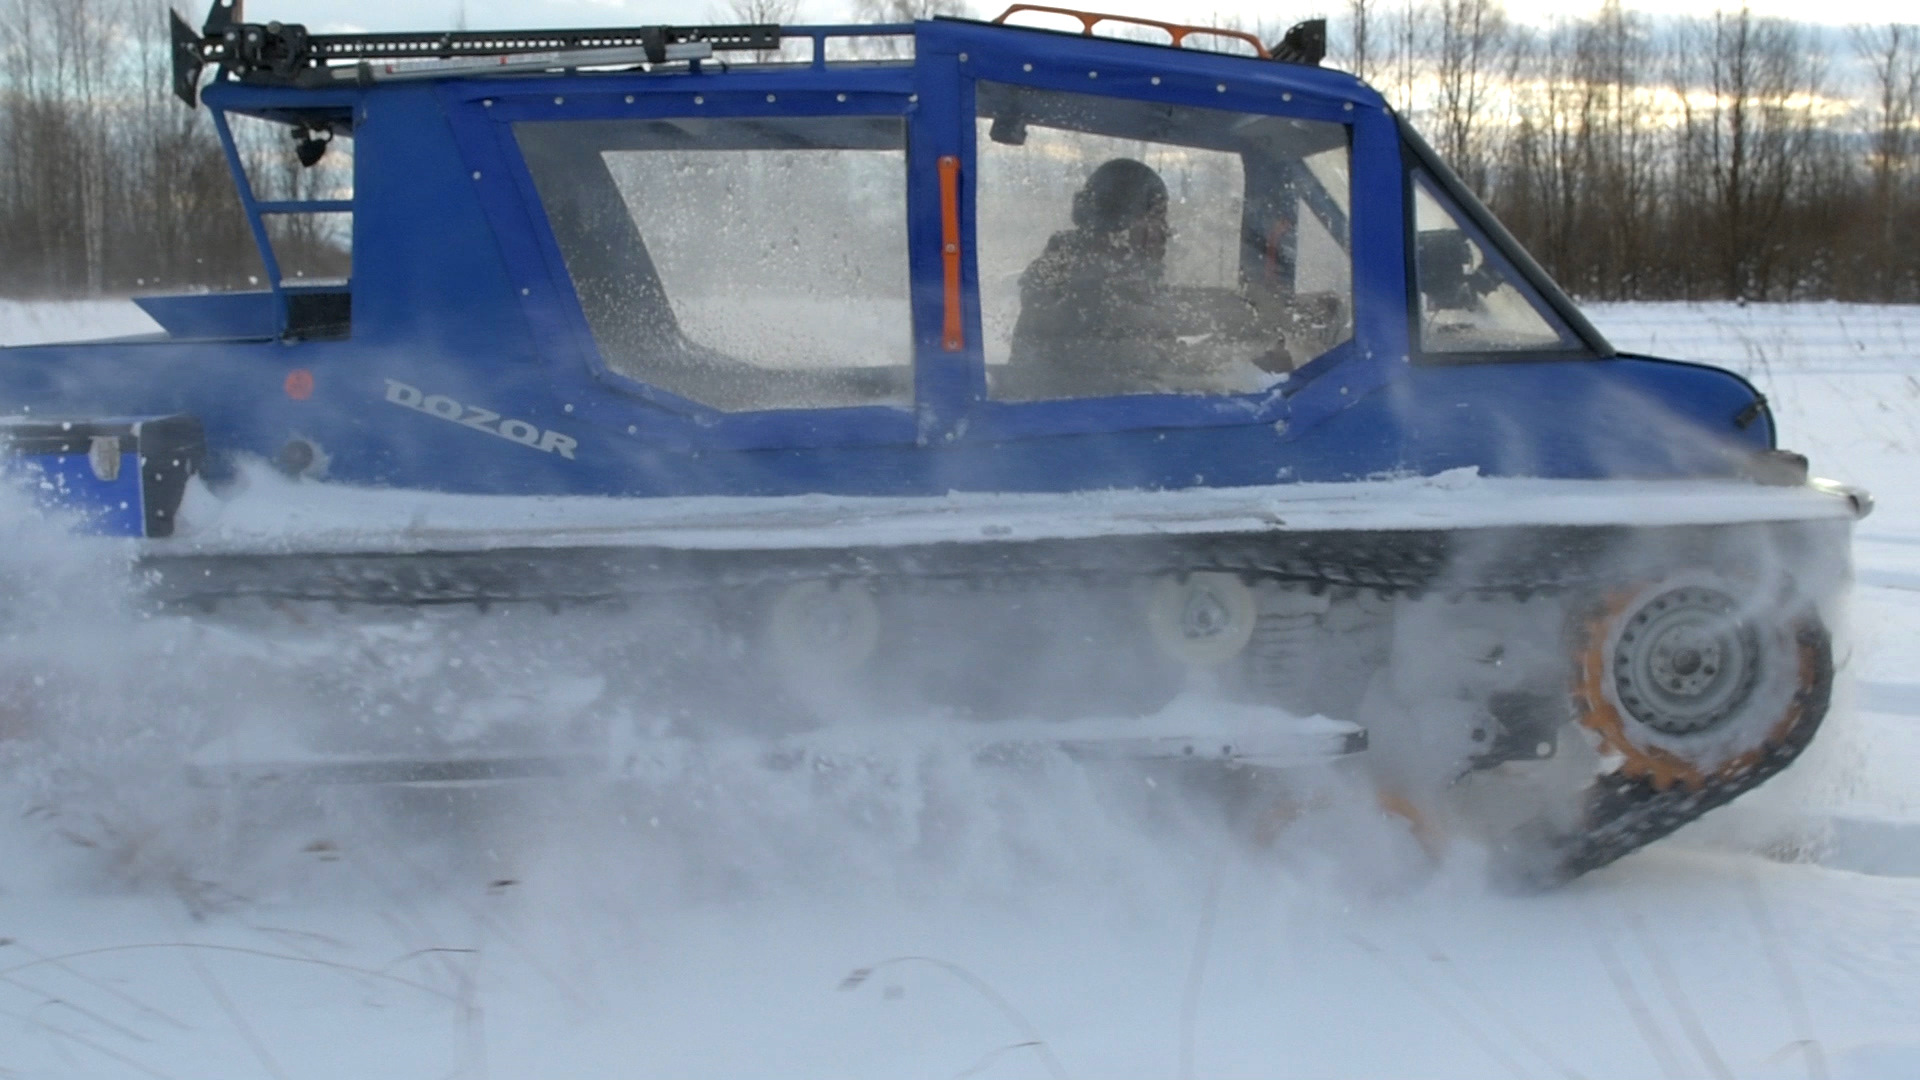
{"points": [[1118, 194]]}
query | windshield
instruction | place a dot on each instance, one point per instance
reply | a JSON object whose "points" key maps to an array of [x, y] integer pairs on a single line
{"points": [[1469, 302]]}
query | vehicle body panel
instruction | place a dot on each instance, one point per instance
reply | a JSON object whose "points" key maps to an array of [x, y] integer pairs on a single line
{"points": [[466, 334]]}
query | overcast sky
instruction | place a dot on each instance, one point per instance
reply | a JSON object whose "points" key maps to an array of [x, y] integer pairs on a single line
{"points": [[322, 15]]}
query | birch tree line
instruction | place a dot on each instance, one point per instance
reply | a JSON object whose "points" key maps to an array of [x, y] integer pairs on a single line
{"points": [[1642, 158], [107, 185], [1638, 157]]}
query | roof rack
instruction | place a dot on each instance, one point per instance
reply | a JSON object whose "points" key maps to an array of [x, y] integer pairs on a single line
{"points": [[1179, 32], [285, 54], [1304, 43]]}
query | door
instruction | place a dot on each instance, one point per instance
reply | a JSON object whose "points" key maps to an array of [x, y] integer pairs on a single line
{"points": [[1164, 238]]}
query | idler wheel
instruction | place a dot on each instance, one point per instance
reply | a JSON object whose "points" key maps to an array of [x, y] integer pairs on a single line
{"points": [[1202, 619], [823, 629], [1695, 678]]}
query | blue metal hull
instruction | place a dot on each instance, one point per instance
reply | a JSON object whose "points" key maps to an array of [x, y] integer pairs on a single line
{"points": [[469, 368]]}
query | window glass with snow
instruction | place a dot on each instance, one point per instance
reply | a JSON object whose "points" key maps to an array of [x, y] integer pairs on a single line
{"points": [[746, 264], [1133, 247], [1470, 303]]}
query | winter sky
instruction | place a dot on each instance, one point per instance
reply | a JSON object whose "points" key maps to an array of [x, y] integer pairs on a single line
{"points": [[483, 14]]}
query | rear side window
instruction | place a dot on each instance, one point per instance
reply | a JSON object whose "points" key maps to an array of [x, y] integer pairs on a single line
{"points": [[1470, 302], [745, 264]]}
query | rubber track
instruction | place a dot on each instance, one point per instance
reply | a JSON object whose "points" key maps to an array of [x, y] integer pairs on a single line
{"points": [[1621, 813], [1510, 560]]}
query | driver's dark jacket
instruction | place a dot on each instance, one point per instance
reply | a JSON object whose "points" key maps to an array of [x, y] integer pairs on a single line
{"points": [[1095, 319]]}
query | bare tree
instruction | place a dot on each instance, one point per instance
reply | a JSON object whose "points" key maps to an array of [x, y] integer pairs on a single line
{"points": [[1360, 19], [1747, 87], [764, 12], [777, 12], [105, 183], [901, 11], [1617, 152], [1538, 190], [1468, 37], [1410, 25], [1892, 54]]}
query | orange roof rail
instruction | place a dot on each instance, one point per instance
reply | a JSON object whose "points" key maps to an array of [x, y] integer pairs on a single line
{"points": [[1177, 31]]}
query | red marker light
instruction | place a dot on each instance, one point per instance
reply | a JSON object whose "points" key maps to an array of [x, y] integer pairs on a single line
{"points": [[299, 384]]}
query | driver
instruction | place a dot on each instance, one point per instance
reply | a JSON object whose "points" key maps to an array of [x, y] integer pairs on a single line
{"points": [[1094, 309], [1096, 315]]}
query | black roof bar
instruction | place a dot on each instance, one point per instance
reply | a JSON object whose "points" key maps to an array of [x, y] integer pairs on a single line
{"points": [[285, 54]]}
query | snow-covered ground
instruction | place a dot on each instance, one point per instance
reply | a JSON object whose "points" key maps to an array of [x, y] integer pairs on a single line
{"points": [[917, 916], [28, 322]]}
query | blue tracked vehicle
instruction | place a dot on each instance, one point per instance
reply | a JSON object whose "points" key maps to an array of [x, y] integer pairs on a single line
{"points": [[1017, 371]]}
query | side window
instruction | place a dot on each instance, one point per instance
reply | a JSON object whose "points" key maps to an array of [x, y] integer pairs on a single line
{"points": [[1132, 247], [1468, 301], [746, 264]]}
